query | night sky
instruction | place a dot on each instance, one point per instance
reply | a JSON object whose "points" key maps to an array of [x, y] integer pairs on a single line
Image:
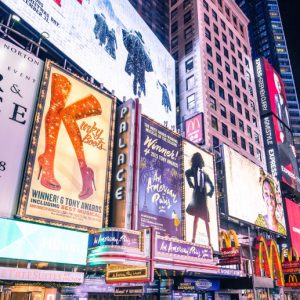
{"points": [[290, 13]]}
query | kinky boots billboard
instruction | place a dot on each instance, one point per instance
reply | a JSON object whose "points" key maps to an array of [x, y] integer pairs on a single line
{"points": [[127, 121]]}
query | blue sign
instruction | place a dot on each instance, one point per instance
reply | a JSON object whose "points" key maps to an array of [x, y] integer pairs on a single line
{"points": [[204, 284], [26, 241]]}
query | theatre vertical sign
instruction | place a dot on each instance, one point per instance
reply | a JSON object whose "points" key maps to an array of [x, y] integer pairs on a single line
{"points": [[20, 74]]}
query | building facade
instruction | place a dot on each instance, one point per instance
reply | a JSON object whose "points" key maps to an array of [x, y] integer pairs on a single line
{"points": [[209, 40], [156, 14], [267, 39]]}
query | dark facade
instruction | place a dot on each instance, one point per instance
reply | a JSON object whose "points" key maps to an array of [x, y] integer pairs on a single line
{"points": [[156, 14], [267, 39]]}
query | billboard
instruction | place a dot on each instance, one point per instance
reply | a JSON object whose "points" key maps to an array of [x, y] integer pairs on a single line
{"points": [[111, 42], [280, 151], [20, 75], [293, 214], [271, 91], [194, 129], [67, 178], [160, 179], [263, 205], [201, 223], [26, 241]]}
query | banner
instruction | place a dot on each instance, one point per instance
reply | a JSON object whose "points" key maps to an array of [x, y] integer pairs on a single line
{"points": [[194, 129], [69, 164], [112, 43], [201, 221], [20, 74], [242, 176], [160, 182]]}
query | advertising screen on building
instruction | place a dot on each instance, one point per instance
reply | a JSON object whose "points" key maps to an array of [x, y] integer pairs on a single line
{"points": [[26, 241], [201, 223], [280, 151], [110, 41], [160, 180], [271, 91], [194, 129], [252, 194], [293, 213], [69, 164], [20, 74]]}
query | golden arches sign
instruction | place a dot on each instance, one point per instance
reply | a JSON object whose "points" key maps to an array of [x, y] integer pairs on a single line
{"points": [[292, 255], [228, 237], [268, 260]]}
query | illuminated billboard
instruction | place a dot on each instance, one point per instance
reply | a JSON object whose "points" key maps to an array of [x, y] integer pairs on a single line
{"points": [[194, 129], [68, 168], [111, 42], [201, 223], [252, 194], [280, 151], [20, 76], [26, 241], [160, 179], [293, 213]]}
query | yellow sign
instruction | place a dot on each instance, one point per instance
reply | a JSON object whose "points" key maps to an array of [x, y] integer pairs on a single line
{"points": [[228, 237], [267, 261], [126, 273], [291, 253]]}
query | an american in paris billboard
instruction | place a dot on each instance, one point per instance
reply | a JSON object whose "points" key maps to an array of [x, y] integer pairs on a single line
{"points": [[263, 206], [293, 213], [111, 42]]}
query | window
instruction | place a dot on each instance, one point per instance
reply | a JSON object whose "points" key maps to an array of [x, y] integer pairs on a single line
{"points": [[241, 125], [174, 27], [254, 121], [225, 52], [241, 69], [230, 100], [207, 34], [211, 84], [240, 56], [223, 25], [238, 41], [191, 101], [224, 38], [252, 105], [221, 92], [174, 13], [243, 83], [213, 103], [227, 11], [190, 82], [251, 149], [249, 131], [173, 2], [239, 107], [230, 33], [258, 154], [218, 59], [250, 89], [216, 142], [227, 67], [229, 84], [247, 114], [209, 49], [235, 75], [234, 136], [187, 17], [224, 130], [214, 122], [206, 19], [188, 32], [256, 137], [210, 66], [232, 47], [243, 143], [217, 43], [223, 111], [234, 61], [245, 98], [216, 29], [214, 14], [232, 118], [174, 42], [220, 75], [189, 65], [205, 4], [188, 47], [237, 91], [186, 4]]}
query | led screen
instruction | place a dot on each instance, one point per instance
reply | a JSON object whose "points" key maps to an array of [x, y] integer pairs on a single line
{"points": [[252, 194], [111, 42]]}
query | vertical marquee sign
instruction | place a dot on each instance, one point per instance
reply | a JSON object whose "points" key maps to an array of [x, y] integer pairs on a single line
{"points": [[123, 164], [20, 74], [160, 179], [67, 178]]}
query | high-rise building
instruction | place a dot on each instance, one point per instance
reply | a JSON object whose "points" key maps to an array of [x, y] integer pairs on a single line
{"points": [[267, 39], [156, 14], [209, 40]]}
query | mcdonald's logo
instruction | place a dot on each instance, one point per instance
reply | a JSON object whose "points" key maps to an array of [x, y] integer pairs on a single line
{"points": [[289, 255], [267, 260], [290, 261], [292, 280], [194, 129], [228, 238]]}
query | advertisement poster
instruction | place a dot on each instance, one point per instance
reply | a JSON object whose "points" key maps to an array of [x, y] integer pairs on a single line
{"points": [[194, 129], [111, 42], [280, 151], [160, 181], [69, 163], [293, 213], [20, 74], [201, 223], [263, 206]]}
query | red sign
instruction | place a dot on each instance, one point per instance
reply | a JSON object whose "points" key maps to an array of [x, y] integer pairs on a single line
{"points": [[194, 130], [293, 212]]}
